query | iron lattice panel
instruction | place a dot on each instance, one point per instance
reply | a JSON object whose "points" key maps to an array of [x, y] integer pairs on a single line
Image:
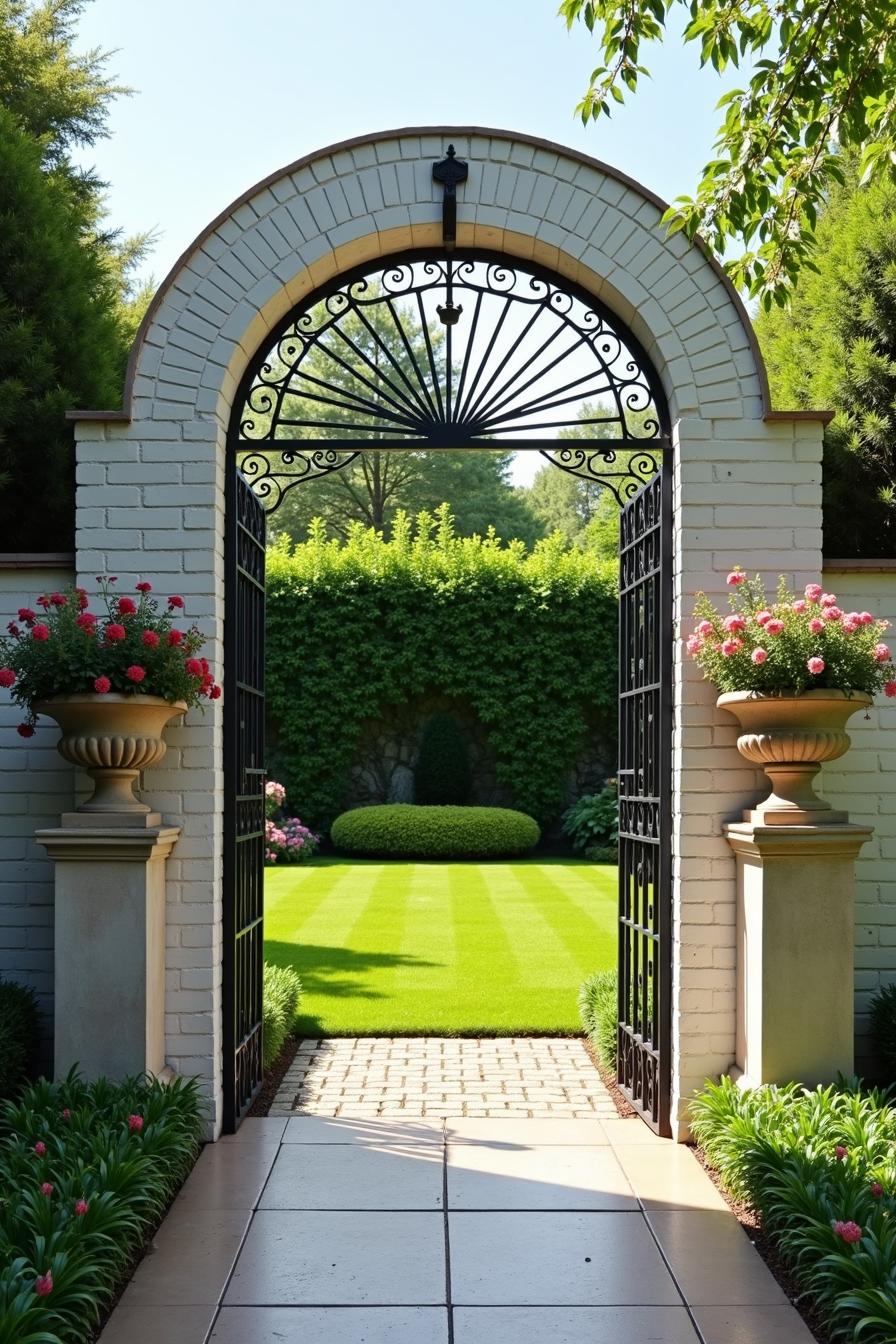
{"points": [[245, 798], [645, 676]]}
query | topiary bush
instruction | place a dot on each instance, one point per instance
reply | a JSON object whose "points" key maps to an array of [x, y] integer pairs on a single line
{"points": [[527, 639], [408, 831], [883, 1030], [599, 1010], [281, 991], [443, 774], [19, 1025]]}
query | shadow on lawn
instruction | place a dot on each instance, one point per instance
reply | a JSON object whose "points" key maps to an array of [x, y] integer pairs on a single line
{"points": [[337, 971]]}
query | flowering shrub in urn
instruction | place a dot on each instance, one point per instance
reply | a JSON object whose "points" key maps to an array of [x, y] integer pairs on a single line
{"points": [[129, 647], [790, 645]]}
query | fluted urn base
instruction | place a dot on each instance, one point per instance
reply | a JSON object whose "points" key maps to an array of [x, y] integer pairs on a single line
{"points": [[790, 736], [113, 738]]}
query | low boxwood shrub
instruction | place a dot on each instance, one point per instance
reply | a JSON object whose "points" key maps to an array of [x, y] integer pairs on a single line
{"points": [[86, 1170], [19, 1024], [407, 831], [599, 1010], [281, 992], [819, 1167], [883, 1030]]}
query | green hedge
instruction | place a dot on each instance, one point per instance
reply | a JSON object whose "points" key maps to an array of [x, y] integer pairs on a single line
{"points": [[529, 639], [281, 992], [19, 1020], [599, 1011], [403, 830]]}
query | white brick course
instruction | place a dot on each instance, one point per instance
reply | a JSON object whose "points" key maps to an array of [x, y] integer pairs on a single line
{"points": [[525, 200]]}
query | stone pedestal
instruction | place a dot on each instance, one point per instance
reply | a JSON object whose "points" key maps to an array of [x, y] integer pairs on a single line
{"points": [[109, 942], [795, 977]]}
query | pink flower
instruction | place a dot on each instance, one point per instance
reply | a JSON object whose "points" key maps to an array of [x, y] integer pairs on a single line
{"points": [[799, 606], [866, 618], [115, 632], [46, 1189], [829, 599], [812, 591], [832, 613], [40, 631], [175, 637], [735, 577], [149, 638], [194, 667], [102, 685], [704, 629], [762, 617], [43, 1284], [135, 672], [694, 644], [66, 1114], [815, 666], [25, 730], [81, 1207], [175, 601], [890, 689], [876, 1189], [840, 1152], [816, 625], [731, 646], [851, 623], [734, 623], [144, 587], [135, 1123], [850, 1232], [40, 1148], [127, 606], [7, 677], [774, 626], [881, 653], [758, 656]]}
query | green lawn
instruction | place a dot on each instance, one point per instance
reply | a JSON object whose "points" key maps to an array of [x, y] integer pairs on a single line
{"points": [[395, 948]]}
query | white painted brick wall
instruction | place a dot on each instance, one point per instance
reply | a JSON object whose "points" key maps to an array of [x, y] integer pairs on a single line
{"points": [[35, 786], [864, 782], [150, 494]]}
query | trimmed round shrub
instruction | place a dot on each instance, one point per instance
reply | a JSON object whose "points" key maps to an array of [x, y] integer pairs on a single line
{"points": [[411, 831], [443, 773]]}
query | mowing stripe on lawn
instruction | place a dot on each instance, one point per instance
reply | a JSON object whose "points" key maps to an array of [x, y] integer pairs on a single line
{"points": [[593, 935], [542, 958]]}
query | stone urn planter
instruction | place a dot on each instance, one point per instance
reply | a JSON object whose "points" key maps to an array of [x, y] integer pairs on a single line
{"points": [[112, 737], [790, 736]]}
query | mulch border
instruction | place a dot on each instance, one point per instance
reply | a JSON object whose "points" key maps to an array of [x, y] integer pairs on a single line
{"points": [[273, 1078]]}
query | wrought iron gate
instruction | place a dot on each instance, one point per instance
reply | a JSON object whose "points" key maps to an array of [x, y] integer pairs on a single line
{"points": [[645, 779], [245, 797]]}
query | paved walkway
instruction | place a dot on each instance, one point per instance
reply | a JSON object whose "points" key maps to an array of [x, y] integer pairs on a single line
{"points": [[443, 1077], [370, 1230]]}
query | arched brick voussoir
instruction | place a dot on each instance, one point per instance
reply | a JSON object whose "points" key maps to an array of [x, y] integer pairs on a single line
{"points": [[372, 198]]}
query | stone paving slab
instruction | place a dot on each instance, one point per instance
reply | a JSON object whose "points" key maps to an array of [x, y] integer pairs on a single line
{"points": [[444, 1077]]}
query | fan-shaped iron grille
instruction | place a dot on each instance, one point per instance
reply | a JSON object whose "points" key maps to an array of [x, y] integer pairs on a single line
{"points": [[455, 350]]}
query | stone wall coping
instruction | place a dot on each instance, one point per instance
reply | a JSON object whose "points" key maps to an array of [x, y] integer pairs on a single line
{"points": [[99, 844], [796, 842]]}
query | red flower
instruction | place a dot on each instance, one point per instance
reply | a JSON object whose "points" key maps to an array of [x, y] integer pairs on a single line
{"points": [[849, 1231], [840, 1152], [175, 601], [115, 632], [58, 600], [175, 637], [7, 677], [46, 1189], [25, 730], [215, 693], [193, 667], [144, 587], [43, 1285], [102, 685], [126, 606], [44, 601], [14, 629], [890, 688], [66, 1114], [149, 638], [82, 597], [877, 1189], [40, 632], [81, 1207], [135, 1123], [135, 672], [40, 1147], [26, 614], [86, 621]]}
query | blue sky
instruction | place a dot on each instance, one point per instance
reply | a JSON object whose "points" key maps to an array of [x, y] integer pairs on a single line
{"points": [[226, 91]]}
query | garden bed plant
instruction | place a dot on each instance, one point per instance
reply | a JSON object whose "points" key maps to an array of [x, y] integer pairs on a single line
{"points": [[86, 1170], [819, 1168]]}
